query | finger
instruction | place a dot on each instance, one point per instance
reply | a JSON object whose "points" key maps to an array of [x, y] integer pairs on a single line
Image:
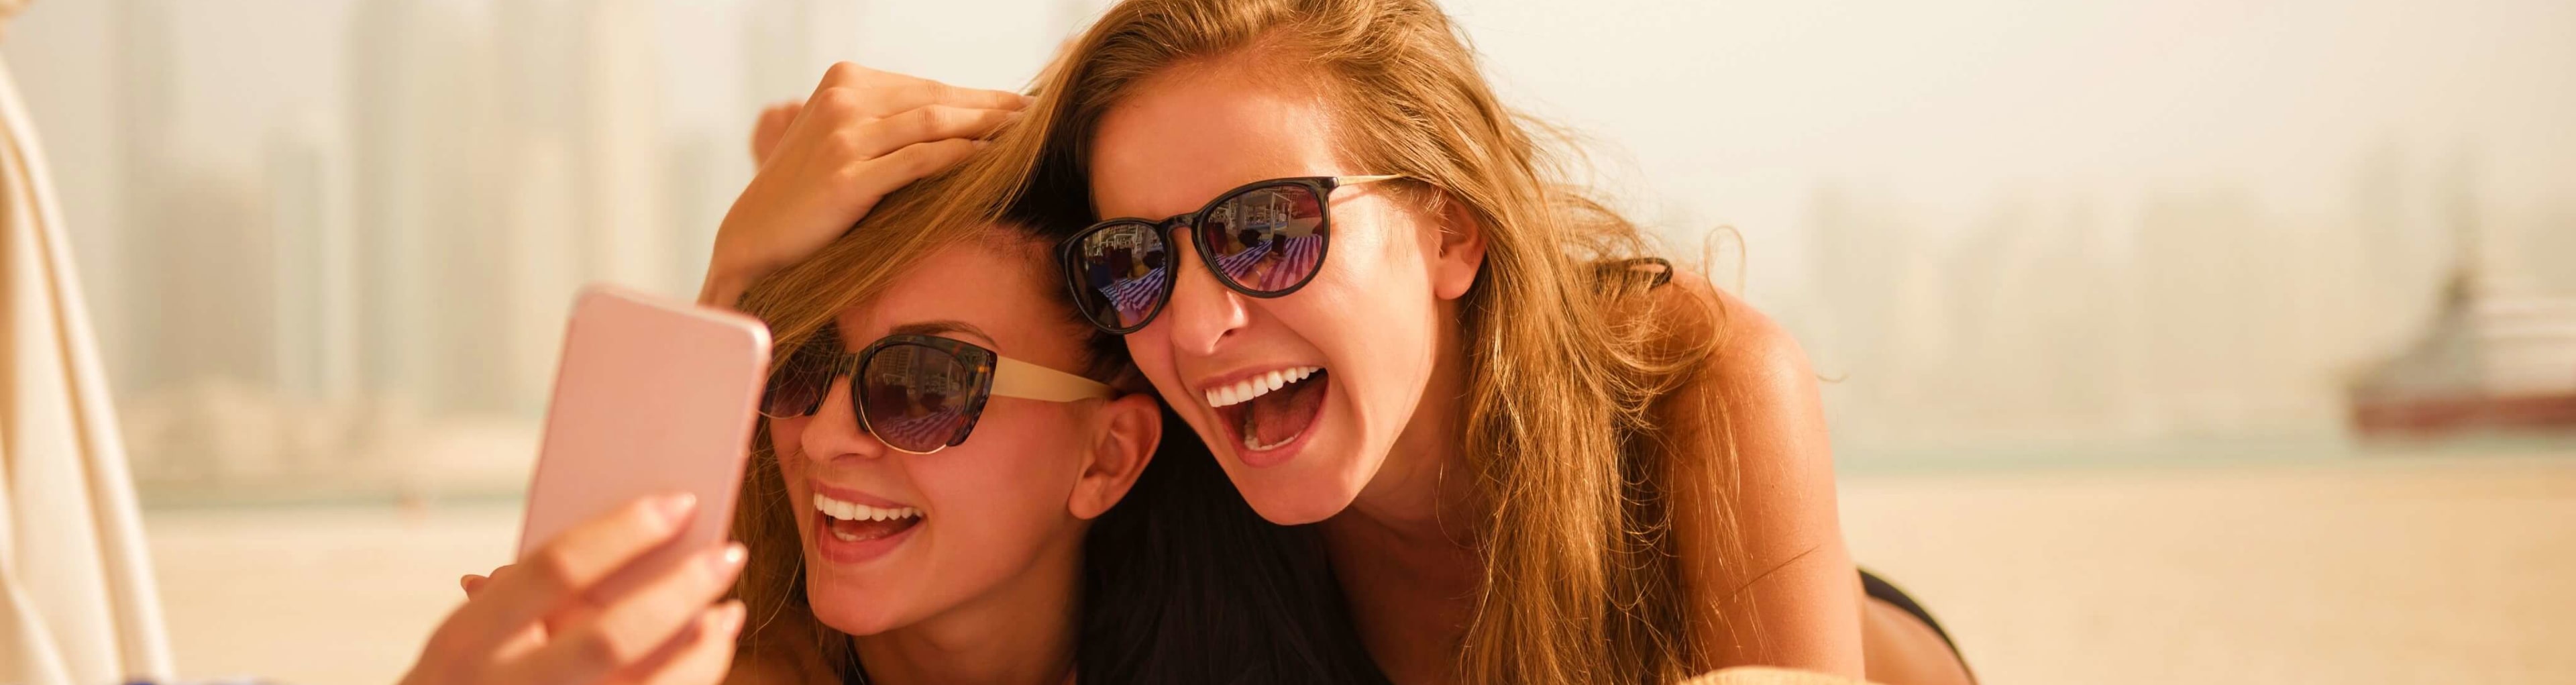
{"points": [[771, 127], [924, 124], [632, 630], [471, 583], [877, 177], [700, 656], [569, 564], [881, 93]]}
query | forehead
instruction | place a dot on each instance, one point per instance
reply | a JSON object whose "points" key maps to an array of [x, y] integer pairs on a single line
{"points": [[1182, 136], [990, 289]]}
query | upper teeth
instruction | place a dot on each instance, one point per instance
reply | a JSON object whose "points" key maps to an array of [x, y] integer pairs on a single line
{"points": [[853, 511], [1261, 384]]}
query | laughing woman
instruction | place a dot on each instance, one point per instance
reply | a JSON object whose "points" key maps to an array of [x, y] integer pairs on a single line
{"points": [[1351, 269]]}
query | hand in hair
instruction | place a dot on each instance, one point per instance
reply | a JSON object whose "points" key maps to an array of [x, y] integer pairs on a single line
{"points": [[546, 621], [825, 163]]}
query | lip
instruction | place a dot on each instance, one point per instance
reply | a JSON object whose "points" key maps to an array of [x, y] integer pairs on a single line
{"points": [[853, 496], [1276, 455], [846, 553]]}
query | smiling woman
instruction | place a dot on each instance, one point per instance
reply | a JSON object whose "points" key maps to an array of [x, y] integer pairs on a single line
{"points": [[1390, 318]]}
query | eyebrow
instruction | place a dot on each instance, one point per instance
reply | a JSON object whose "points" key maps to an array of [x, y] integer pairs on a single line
{"points": [[940, 327]]}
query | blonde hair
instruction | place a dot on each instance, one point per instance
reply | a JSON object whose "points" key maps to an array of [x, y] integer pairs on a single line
{"points": [[1579, 583]]}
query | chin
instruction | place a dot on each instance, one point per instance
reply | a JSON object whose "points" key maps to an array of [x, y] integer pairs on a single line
{"points": [[1315, 486], [844, 606], [1295, 508]]}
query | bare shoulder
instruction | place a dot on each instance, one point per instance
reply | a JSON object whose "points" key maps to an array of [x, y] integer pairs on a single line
{"points": [[1751, 469], [1755, 368]]}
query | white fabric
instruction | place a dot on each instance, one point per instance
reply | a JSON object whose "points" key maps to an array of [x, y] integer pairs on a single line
{"points": [[77, 601]]}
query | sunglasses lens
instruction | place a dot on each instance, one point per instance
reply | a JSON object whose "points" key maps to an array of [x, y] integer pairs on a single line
{"points": [[1266, 240], [915, 397], [1124, 270], [796, 386]]}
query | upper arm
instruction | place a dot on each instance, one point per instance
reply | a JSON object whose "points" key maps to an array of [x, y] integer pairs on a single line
{"points": [[1754, 521]]}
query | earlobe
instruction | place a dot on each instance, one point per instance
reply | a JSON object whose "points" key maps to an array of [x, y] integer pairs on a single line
{"points": [[1125, 432], [1461, 251]]}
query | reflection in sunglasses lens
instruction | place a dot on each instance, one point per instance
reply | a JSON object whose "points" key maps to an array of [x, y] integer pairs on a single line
{"points": [[915, 397], [1266, 239], [1123, 269]]}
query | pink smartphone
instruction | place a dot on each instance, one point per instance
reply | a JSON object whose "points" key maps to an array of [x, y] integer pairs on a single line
{"points": [[653, 396]]}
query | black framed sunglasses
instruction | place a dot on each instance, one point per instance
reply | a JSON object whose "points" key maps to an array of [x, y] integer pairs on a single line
{"points": [[916, 393], [1263, 239]]}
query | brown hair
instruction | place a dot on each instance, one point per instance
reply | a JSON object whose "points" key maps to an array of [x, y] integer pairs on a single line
{"points": [[1182, 581], [1579, 583]]}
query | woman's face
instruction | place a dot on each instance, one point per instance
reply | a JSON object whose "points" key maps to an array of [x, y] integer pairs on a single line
{"points": [[972, 522], [1371, 320]]}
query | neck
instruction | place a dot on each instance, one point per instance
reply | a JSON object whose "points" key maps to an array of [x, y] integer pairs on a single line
{"points": [[1404, 549], [1020, 633]]}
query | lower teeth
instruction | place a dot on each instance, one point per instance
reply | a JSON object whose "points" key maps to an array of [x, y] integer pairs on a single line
{"points": [[837, 528]]}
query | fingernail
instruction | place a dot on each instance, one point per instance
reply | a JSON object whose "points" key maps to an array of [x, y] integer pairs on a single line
{"points": [[675, 507], [728, 560]]}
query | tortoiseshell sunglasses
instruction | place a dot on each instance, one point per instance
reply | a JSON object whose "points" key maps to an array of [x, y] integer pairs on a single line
{"points": [[916, 393]]}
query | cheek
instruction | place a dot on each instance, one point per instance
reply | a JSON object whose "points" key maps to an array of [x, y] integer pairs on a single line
{"points": [[1151, 349], [1011, 487], [783, 445], [783, 434]]}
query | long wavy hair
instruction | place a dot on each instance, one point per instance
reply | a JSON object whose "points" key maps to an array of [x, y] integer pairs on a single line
{"points": [[1569, 472], [1183, 583]]}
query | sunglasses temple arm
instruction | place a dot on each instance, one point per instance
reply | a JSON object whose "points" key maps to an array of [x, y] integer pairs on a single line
{"points": [[1023, 380]]}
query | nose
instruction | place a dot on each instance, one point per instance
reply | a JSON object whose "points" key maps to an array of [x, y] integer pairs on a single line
{"points": [[1203, 312], [833, 432]]}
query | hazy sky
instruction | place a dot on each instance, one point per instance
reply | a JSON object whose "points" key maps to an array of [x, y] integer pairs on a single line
{"points": [[1935, 116]]}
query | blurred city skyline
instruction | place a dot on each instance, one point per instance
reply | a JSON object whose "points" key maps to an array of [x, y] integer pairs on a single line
{"points": [[334, 241]]}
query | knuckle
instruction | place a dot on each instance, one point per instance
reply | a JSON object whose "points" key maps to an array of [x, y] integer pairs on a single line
{"points": [[928, 121], [553, 567], [845, 71], [848, 176], [837, 101], [604, 649], [933, 157], [921, 91], [612, 647]]}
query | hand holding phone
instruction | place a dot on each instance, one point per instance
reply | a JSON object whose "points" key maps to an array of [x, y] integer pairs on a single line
{"points": [[533, 622], [653, 397]]}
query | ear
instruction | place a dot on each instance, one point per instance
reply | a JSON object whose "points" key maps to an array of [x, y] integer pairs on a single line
{"points": [[1124, 432], [1459, 252]]}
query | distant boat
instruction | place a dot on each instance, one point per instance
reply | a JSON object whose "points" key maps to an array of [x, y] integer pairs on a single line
{"points": [[2485, 364]]}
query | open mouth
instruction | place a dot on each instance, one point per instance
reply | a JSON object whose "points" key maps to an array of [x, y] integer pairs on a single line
{"points": [[854, 522], [1271, 410]]}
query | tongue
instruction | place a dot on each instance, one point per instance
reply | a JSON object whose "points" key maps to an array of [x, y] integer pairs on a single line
{"points": [[870, 530], [1279, 416]]}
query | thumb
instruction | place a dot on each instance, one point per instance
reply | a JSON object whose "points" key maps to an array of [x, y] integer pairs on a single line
{"points": [[770, 128]]}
